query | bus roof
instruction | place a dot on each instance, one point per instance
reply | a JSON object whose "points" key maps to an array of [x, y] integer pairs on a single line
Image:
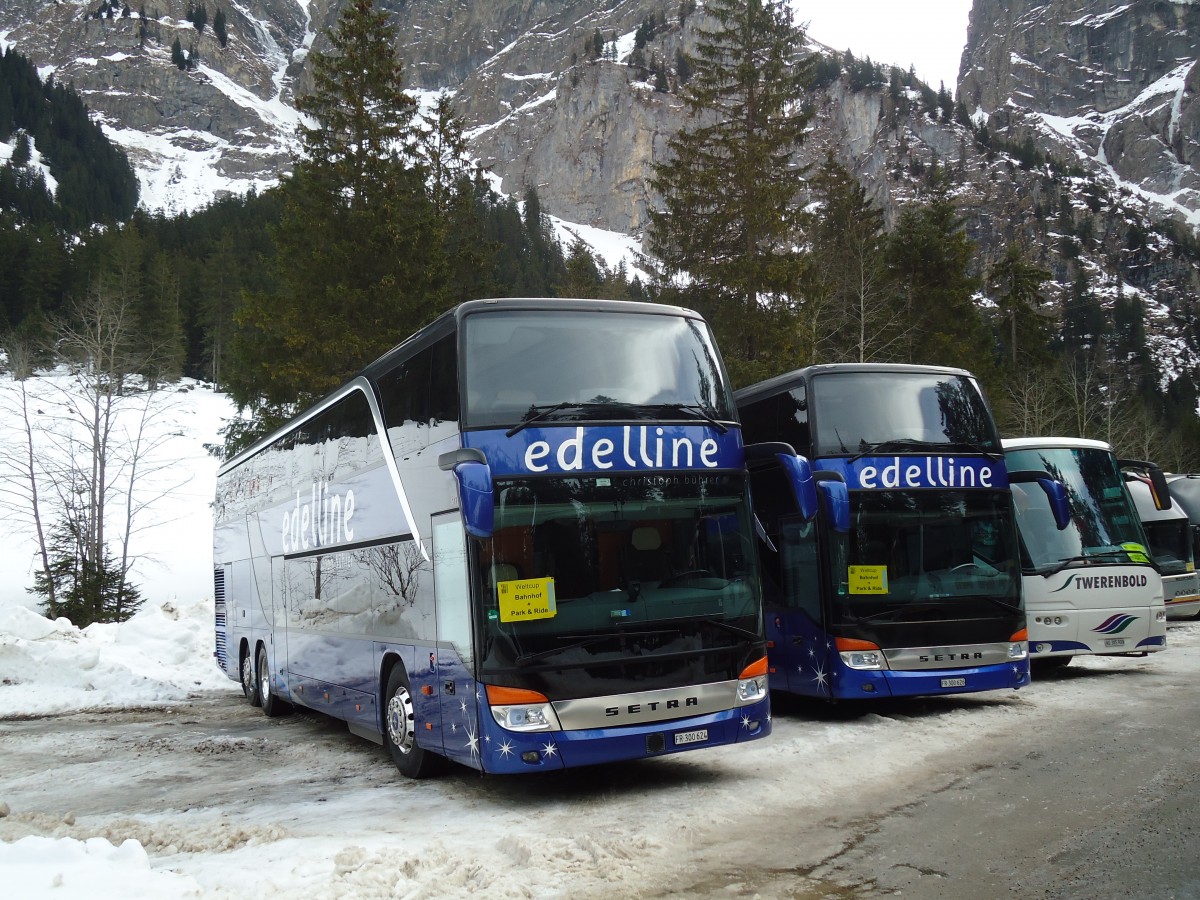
{"points": [[788, 380], [458, 313], [1047, 443]]}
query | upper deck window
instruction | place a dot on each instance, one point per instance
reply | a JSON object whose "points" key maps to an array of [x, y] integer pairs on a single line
{"points": [[896, 412], [598, 365]]}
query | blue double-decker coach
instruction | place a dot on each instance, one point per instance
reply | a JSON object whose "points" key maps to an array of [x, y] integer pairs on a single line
{"points": [[914, 587], [521, 540]]}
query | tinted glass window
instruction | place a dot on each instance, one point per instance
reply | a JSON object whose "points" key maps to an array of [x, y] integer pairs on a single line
{"points": [[862, 412], [423, 389], [518, 363], [782, 417], [1103, 522]]}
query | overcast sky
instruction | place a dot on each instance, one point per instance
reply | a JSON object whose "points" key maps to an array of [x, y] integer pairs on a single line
{"points": [[929, 35]]}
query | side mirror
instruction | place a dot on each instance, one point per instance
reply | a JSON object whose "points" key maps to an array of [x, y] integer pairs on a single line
{"points": [[1158, 481], [475, 494], [1055, 490], [800, 477], [837, 499]]}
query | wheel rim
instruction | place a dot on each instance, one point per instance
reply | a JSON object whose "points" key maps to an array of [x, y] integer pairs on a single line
{"points": [[264, 678], [247, 676], [400, 719]]}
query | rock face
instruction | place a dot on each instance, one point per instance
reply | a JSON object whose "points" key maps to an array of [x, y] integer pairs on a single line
{"points": [[1106, 84], [1089, 109], [1115, 84]]}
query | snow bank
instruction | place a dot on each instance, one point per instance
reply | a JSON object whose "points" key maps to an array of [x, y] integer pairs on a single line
{"points": [[161, 655]]}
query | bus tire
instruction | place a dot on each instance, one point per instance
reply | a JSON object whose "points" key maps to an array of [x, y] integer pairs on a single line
{"points": [[249, 682], [271, 705], [400, 728]]}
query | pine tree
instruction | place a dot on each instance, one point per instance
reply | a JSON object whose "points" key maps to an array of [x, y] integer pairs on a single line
{"points": [[358, 264], [724, 238], [847, 310], [1024, 326], [219, 27], [930, 258], [442, 147], [22, 152]]}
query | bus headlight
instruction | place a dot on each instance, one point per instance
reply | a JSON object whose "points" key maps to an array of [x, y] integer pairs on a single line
{"points": [[857, 654], [520, 710], [752, 683], [526, 718], [751, 690], [863, 659]]}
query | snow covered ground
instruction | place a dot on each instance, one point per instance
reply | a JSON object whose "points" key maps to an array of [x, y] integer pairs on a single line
{"points": [[246, 806]]}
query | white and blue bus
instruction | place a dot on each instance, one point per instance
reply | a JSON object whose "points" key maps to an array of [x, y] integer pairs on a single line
{"points": [[1091, 587], [1169, 537], [520, 540], [917, 589]]}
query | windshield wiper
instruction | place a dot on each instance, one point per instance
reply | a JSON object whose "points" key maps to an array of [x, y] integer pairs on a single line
{"points": [[901, 609], [732, 629], [914, 444], [526, 658], [895, 444], [539, 413], [1007, 607], [700, 411], [975, 448], [1065, 561]]}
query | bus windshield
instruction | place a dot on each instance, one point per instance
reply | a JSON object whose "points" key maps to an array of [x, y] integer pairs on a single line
{"points": [[580, 364], [1103, 526], [1171, 544], [860, 412], [912, 555], [650, 573]]}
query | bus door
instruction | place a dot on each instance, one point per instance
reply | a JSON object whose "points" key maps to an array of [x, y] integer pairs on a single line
{"points": [[797, 624], [455, 683], [797, 651]]}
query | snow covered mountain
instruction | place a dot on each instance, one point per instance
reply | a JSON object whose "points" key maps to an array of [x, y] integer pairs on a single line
{"points": [[1083, 141]]}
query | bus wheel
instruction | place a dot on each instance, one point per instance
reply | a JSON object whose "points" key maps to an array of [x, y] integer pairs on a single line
{"points": [[249, 685], [271, 705], [400, 728]]}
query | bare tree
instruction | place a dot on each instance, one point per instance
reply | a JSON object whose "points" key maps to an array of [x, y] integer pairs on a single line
{"points": [[19, 466], [86, 473]]}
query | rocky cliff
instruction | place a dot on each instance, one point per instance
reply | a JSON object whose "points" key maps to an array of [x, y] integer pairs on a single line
{"points": [[1083, 142], [1113, 86]]}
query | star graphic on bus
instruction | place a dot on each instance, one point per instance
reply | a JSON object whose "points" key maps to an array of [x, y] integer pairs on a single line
{"points": [[819, 677], [506, 749], [549, 749], [746, 722], [462, 706], [473, 743]]}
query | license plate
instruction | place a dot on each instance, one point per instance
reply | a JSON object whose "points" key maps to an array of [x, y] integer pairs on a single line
{"points": [[1114, 642], [691, 737], [954, 682]]}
